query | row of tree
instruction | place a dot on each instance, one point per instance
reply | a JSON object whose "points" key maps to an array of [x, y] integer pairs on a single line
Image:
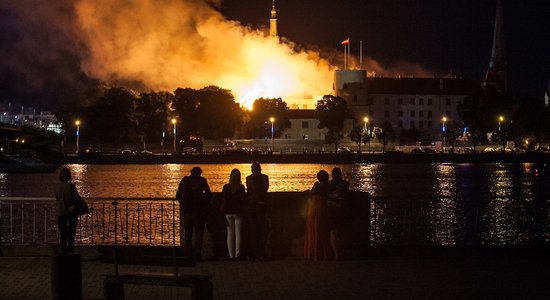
{"points": [[117, 115]]}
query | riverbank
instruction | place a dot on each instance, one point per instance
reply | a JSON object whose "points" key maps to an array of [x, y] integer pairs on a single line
{"points": [[329, 158]]}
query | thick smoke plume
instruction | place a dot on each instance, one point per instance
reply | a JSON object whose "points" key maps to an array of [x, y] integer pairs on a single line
{"points": [[174, 43], [59, 48]]}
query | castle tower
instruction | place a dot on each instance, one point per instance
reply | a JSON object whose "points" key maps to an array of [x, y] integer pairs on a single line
{"points": [[273, 21], [497, 75]]}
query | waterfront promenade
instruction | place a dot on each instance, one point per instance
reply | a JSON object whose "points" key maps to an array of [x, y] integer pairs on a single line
{"points": [[25, 274]]}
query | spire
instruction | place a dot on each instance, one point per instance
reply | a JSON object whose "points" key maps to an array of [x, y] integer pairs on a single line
{"points": [[496, 75], [273, 21]]}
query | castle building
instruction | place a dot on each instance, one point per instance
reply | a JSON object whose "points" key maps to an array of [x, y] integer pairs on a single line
{"points": [[496, 78], [406, 103], [273, 21]]}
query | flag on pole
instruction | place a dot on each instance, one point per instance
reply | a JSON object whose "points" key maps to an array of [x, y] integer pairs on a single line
{"points": [[345, 42]]}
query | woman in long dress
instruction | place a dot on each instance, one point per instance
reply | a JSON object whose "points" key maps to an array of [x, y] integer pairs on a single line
{"points": [[316, 238]]}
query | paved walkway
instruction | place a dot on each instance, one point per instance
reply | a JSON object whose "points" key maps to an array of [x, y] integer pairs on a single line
{"points": [[27, 276]]}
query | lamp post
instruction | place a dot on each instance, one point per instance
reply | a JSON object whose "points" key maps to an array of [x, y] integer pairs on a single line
{"points": [[366, 121], [77, 136], [500, 120], [174, 122], [443, 129], [272, 120]]}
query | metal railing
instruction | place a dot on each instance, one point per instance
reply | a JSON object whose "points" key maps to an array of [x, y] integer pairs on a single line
{"points": [[142, 221], [389, 221]]}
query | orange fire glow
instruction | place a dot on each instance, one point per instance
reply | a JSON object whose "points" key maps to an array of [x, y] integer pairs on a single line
{"points": [[168, 44]]}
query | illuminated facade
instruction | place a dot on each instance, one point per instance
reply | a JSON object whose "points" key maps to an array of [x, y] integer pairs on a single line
{"points": [[406, 103]]}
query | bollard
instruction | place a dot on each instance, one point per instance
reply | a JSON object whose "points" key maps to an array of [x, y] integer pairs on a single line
{"points": [[66, 276]]}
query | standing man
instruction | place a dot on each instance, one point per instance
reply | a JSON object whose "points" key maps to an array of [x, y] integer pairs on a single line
{"points": [[257, 185], [194, 196], [338, 195]]}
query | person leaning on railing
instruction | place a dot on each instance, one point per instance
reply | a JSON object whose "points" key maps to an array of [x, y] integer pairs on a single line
{"points": [[195, 198]]}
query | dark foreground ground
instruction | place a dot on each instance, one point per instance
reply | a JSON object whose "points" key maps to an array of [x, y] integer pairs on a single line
{"points": [[25, 274]]}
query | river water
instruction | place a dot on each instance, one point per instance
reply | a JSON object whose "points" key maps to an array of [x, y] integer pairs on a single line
{"points": [[493, 203]]}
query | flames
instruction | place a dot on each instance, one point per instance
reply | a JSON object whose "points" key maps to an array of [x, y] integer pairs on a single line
{"points": [[163, 45]]}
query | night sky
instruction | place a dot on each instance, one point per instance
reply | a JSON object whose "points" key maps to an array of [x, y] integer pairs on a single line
{"points": [[42, 52], [441, 35]]}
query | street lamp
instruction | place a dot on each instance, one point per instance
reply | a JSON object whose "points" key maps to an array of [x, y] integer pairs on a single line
{"points": [[367, 131], [443, 129], [272, 120], [500, 120], [174, 122], [77, 136]]}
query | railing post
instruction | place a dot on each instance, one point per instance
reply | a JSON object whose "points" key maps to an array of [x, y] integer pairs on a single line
{"points": [[150, 223], [138, 224], [127, 231], [34, 223], [11, 222], [22, 223], [45, 225], [162, 223], [174, 223], [1, 229], [103, 222], [115, 203], [92, 222]]}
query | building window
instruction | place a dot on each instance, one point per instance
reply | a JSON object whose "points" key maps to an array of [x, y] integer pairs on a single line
{"points": [[400, 113], [429, 101], [429, 113], [400, 124], [305, 124], [421, 101], [412, 101], [412, 113], [354, 98], [387, 113], [429, 124], [412, 124], [420, 124], [447, 101], [387, 101], [421, 113], [400, 101]]}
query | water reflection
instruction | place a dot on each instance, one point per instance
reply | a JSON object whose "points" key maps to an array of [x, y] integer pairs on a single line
{"points": [[412, 203], [444, 208]]}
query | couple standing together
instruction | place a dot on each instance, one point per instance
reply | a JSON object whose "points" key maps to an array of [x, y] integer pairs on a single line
{"points": [[194, 196], [326, 217]]}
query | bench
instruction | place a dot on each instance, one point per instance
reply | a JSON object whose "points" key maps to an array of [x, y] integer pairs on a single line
{"points": [[113, 284]]}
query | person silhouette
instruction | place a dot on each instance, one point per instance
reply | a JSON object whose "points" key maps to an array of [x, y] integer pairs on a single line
{"points": [[195, 198], [257, 185]]}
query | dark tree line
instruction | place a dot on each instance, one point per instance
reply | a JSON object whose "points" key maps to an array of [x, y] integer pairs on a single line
{"points": [[119, 116]]}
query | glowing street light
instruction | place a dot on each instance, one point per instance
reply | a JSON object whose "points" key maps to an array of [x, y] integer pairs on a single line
{"points": [[174, 122], [77, 136], [443, 129], [367, 131], [272, 120], [500, 120]]}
